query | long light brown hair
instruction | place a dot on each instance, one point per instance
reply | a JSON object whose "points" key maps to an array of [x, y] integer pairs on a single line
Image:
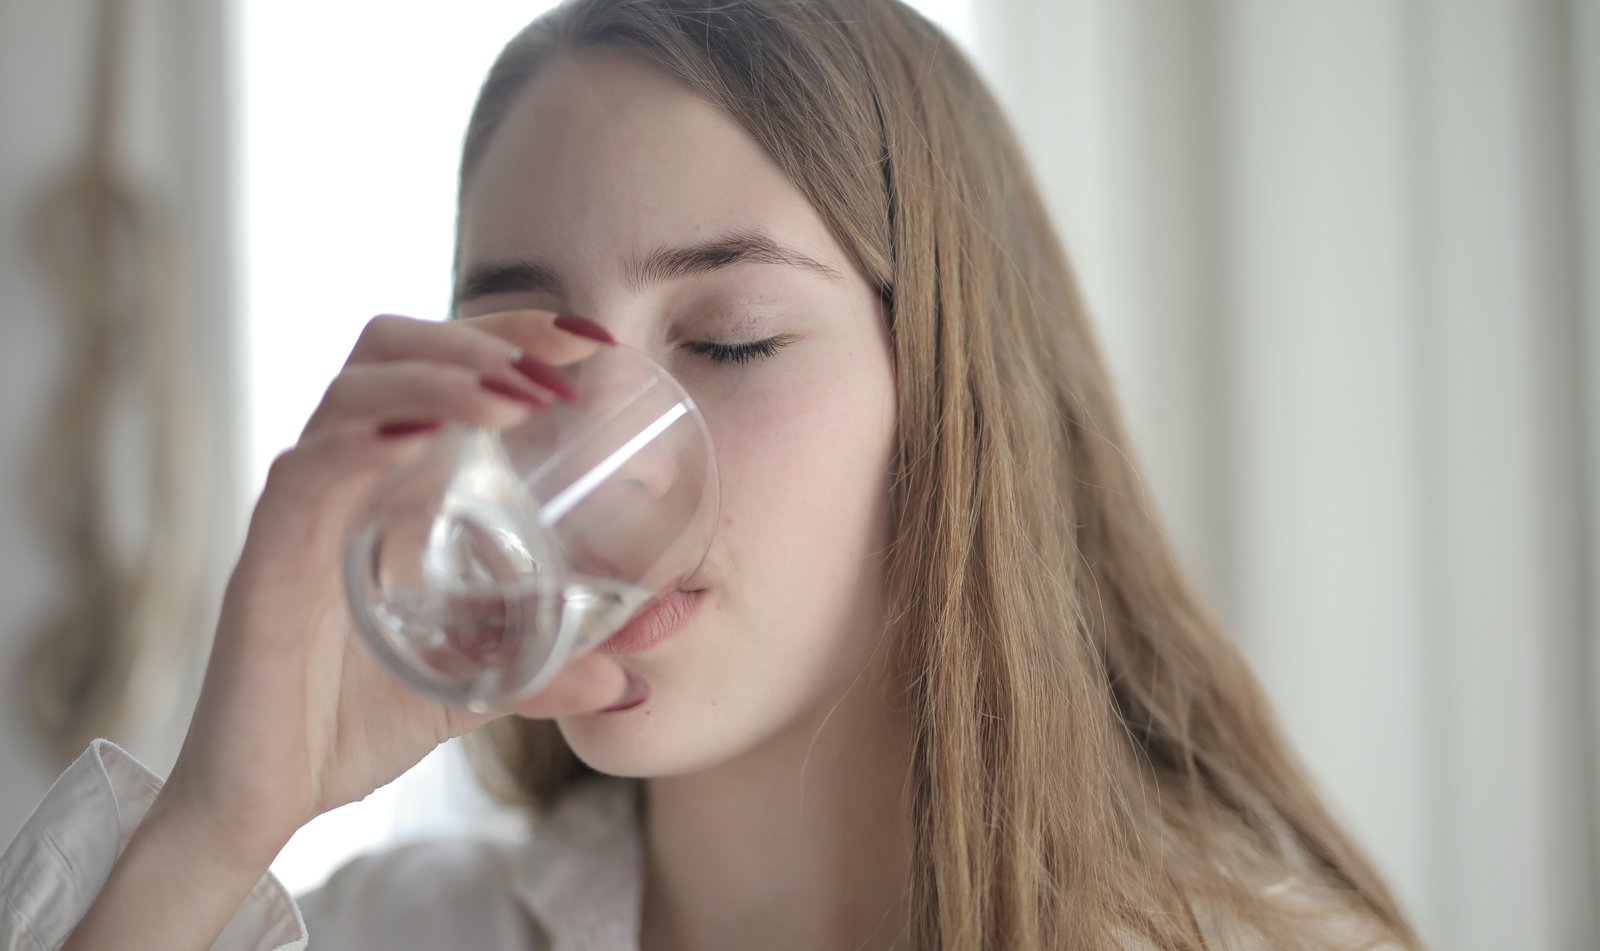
{"points": [[1094, 764]]}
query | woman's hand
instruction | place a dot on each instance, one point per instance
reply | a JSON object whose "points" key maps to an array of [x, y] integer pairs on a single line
{"points": [[296, 715]]}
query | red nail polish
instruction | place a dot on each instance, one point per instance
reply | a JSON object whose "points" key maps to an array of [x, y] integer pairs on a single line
{"points": [[546, 376], [584, 327], [511, 392], [409, 428]]}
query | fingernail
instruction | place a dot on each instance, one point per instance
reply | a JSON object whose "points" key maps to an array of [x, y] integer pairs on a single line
{"points": [[511, 392], [584, 327], [636, 693], [409, 428], [546, 376]]}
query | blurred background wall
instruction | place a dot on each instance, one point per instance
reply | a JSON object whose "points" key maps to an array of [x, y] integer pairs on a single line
{"points": [[164, 340], [1344, 255]]}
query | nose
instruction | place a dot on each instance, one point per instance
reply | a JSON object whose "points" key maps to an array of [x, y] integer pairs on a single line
{"points": [[628, 463], [634, 504], [648, 466]]}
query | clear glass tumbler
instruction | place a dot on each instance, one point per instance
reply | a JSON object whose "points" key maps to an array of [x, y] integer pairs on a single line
{"points": [[478, 570]]}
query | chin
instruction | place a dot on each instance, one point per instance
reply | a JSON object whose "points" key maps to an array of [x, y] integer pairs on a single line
{"points": [[645, 742]]}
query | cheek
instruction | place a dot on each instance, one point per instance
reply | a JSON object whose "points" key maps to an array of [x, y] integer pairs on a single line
{"points": [[803, 458]]}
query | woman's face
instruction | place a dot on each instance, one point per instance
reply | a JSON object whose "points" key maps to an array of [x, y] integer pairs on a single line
{"points": [[648, 210]]}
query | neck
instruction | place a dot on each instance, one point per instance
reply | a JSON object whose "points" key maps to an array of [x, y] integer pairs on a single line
{"points": [[804, 843]]}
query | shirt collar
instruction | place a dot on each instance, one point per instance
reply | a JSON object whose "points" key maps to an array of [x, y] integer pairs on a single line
{"points": [[582, 875]]}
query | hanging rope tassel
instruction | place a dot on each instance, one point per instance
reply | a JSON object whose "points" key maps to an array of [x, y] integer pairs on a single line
{"points": [[115, 438]]}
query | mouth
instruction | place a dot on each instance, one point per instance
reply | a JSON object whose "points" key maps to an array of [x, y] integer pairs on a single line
{"points": [[656, 622]]}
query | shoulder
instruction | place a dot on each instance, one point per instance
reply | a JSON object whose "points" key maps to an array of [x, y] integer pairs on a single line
{"points": [[431, 893]]}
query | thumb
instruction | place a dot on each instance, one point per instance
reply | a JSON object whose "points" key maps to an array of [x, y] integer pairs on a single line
{"points": [[589, 684]]}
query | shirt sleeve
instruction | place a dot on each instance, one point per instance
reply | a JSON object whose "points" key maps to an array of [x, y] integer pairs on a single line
{"points": [[63, 854]]}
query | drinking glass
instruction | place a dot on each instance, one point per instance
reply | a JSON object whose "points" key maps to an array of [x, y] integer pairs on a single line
{"points": [[479, 569]]}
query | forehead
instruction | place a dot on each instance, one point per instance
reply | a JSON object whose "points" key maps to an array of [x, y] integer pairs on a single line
{"points": [[603, 153]]}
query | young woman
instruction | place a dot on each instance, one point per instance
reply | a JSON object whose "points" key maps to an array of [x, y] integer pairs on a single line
{"points": [[941, 684]]}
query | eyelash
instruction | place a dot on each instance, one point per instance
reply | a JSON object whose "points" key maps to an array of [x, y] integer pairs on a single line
{"points": [[737, 352]]}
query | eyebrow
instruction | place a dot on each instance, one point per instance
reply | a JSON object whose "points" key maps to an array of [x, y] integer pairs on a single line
{"points": [[737, 247], [512, 278], [659, 265]]}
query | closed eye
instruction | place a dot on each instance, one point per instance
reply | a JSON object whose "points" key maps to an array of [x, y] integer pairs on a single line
{"points": [[738, 352]]}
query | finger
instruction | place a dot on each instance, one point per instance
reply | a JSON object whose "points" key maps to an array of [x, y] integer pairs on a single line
{"points": [[588, 684], [389, 337], [487, 343], [554, 339], [310, 488], [415, 391], [515, 347]]}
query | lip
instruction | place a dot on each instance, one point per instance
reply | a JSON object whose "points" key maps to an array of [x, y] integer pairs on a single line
{"points": [[638, 692], [657, 622]]}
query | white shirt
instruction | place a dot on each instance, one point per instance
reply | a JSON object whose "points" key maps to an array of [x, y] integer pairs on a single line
{"points": [[575, 886]]}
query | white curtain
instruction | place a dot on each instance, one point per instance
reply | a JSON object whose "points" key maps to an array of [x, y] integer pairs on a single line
{"points": [[171, 148], [1344, 258]]}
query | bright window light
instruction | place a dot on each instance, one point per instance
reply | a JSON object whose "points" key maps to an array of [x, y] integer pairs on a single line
{"points": [[352, 118], [352, 115]]}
